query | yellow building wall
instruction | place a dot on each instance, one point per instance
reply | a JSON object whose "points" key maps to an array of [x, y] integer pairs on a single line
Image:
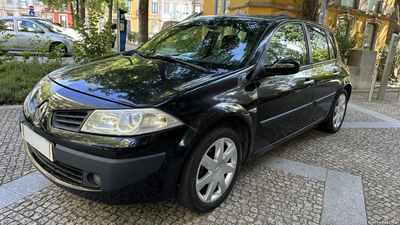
{"points": [[134, 18], [330, 18], [360, 26]]}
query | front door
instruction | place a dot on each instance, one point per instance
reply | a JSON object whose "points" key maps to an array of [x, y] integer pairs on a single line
{"points": [[30, 36], [284, 100]]}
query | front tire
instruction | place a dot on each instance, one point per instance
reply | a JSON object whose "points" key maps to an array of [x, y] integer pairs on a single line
{"points": [[336, 116], [210, 172]]}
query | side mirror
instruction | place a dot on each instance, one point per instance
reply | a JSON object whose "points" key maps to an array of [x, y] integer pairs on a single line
{"points": [[283, 67]]}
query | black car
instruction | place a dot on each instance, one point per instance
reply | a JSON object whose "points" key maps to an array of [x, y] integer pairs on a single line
{"points": [[181, 114]]}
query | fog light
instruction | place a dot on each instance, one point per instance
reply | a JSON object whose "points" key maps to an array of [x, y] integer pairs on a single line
{"points": [[96, 179]]}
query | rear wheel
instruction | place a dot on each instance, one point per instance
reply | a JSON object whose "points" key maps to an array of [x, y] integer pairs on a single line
{"points": [[210, 172], [336, 116]]}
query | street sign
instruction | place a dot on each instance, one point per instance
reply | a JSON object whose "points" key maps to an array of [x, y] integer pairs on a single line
{"points": [[31, 13], [31, 8]]}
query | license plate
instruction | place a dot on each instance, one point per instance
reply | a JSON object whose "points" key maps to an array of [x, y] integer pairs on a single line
{"points": [[38, 142]]}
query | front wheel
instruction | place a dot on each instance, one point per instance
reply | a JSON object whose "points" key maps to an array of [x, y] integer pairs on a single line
{"points": [[336, 116], [210, 172]]}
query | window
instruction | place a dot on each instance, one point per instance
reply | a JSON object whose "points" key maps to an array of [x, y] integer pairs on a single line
{"points": [[63, 20], [373, 5], [36, 2], [166, 7], [348, 3], [288, 43], [185, 9], [154, 6], [26, 26], [318, 43], [221, 6], [9, 2], [49, 17], [175, 12], [129, 6], [332, 49], [6, 24], [343, 27], [369, 37]]}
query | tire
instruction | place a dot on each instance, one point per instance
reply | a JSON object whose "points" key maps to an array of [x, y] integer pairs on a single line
{"points": [[63, 49], [336, 115], [208, 177]]}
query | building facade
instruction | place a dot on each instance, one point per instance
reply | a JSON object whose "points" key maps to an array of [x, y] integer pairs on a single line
{"points": [[370, 17], [19, 8]]}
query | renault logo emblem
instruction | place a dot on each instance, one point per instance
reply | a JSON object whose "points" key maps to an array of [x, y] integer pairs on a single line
{"points": [[39, 112]]}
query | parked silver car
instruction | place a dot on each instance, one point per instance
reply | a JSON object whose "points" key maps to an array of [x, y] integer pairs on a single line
{"points": [[27, 34]]}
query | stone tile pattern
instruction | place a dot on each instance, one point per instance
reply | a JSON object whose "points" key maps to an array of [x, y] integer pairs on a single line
{"points": [[13, 161], [389, 106], [373, 155], [261, 196], [353, 115]]}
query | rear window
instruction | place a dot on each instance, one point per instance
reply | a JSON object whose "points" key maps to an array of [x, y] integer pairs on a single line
{"points": [[7, 24], [319, 44]]}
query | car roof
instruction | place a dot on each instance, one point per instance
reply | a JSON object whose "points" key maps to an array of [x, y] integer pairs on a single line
{"points": [[277, 19]]}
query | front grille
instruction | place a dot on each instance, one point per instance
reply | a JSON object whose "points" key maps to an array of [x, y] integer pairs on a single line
{"points": [[69, 120], [59, 170]]}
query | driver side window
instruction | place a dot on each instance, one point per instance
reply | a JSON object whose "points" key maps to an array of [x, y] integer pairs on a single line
{"points": [[288, 43]]}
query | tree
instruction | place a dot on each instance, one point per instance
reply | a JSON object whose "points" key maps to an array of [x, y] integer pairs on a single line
{"points": [[143, 21], [308, 8], [394, 22]]}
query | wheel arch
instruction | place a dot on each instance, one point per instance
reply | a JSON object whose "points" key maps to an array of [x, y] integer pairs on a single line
{"points": [[231, 115], [53, 43]]}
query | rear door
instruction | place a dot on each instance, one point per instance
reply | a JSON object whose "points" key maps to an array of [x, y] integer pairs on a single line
{"points": [[7, 34], [326, 70], [284, 100]]}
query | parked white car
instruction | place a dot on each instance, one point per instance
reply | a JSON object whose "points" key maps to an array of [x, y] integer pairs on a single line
{"points": [[55, 26], [22, 32]]}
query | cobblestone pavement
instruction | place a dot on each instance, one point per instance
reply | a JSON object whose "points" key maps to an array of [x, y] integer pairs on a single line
{"points": [[13, 161], [371, 154], [262, 195]]}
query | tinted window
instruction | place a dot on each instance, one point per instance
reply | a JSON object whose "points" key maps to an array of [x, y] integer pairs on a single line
{"points": [[319, 44], [332, 52], [288, 43], [6, 24], [26, 26]]}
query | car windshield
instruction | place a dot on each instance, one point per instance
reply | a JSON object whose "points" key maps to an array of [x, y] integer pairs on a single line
{"points": [[214, 43], [49, 26]]}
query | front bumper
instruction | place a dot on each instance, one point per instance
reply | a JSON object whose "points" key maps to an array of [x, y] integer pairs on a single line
{"points": [[114, 173]]}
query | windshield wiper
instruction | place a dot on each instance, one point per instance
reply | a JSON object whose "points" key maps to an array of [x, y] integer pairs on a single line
{"points": [[170, 59], [176, 60]]}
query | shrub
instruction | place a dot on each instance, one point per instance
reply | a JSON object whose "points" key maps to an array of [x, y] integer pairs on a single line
{"points": [[133, 36], [93, 43], [16, 85]]}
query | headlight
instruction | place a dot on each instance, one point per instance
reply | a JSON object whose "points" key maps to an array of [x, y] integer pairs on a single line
{"points": [[129, 122]]}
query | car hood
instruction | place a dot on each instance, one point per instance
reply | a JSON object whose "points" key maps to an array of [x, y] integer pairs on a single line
{"points": [[131, 80]]}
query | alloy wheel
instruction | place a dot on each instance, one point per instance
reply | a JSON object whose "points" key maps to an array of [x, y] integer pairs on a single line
{"points": [[340, 109], [216, 170]]}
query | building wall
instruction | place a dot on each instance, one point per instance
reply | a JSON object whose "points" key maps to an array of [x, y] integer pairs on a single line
{"points": [[333, 10]]}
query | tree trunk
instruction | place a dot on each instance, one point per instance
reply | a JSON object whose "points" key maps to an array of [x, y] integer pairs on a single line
{"points": [[76, 12], [393, 24], [110, 6], [83, 9], [309, 10], [143, 21]]}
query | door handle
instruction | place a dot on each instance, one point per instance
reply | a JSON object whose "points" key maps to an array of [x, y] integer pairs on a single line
{"points": [[309, 82], [336, 74]]}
